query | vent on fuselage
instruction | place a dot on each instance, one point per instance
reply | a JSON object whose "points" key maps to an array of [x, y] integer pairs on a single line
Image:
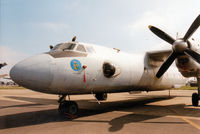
{"points": [[108, 70]]}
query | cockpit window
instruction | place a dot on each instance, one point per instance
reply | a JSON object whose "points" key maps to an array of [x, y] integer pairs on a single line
{"points": [[64, 46], [90, 49], [81, 48], [69, 46]]}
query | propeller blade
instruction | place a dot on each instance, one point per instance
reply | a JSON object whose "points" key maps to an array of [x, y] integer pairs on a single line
{"points": [[162, 34], [193, 54], [192, 28], [166, 64]]}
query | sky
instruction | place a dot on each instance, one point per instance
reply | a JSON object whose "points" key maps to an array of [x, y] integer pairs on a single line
{"points": [[28, 27]]}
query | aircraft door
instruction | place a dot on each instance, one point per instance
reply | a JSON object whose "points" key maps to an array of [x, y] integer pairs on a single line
{"points": [[93, 72]]}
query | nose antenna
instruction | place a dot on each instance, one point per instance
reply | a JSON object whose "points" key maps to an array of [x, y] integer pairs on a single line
{"points": [[74, 39], [51, 47], [176, 35]]}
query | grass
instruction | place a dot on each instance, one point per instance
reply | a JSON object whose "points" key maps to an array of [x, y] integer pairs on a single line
{"points": [[185, 88], [11, 87]]}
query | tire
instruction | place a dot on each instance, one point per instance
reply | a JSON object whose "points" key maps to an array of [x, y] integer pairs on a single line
{"points": [[62, 108], [72, 108], [68, 107], [195, 99]]}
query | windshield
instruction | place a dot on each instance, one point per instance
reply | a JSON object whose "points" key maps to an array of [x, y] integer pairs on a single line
{"points": [[64, 46], [80, 48]]}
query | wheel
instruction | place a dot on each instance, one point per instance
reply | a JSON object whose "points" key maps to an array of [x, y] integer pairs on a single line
{"points": [[101, 96], [195, 99], [68, 107]]}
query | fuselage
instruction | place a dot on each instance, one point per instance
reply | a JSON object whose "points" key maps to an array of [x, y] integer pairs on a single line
{"points": [[84, 68]]}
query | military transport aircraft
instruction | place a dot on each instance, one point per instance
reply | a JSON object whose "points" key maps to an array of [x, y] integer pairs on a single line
{"points": [[80, 68], [2, 65], [186, 54]]}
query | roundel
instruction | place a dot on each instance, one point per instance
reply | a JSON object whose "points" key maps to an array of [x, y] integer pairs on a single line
{"points": [[75, 65]]}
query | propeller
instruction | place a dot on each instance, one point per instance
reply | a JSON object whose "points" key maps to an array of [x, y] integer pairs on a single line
{"points": [[180, 46]]}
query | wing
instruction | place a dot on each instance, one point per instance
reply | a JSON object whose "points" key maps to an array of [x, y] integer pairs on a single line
{"points": [[156, 58], [4, 75]]}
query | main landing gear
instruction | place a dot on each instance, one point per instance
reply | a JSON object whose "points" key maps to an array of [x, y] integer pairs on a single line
{"points": [[101, 96], [67, 108], [196, 96]]}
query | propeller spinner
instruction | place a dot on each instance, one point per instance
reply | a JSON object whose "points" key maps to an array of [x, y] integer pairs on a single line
{"points": [[179, 46]]}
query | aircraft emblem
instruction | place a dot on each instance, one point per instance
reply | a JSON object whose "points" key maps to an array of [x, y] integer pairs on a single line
{"points": [[76, 65]]}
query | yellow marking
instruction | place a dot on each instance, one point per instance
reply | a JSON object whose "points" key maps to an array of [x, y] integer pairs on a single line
{"points": [[76, 66], [185, 119], [190, 122], [149, 26], [156, 78]]}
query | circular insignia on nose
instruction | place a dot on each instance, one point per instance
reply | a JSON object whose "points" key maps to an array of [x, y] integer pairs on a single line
{"points": [[75, 65]]}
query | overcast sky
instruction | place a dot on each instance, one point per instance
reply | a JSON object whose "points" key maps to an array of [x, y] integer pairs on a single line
{"points": [[28, 27]]}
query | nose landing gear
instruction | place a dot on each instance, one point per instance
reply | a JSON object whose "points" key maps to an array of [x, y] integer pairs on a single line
{"points": [[196, 96], [67, 108]]}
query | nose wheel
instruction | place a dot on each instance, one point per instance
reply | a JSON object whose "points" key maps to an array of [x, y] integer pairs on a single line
{"points": [[67, 108], [196, 96]]}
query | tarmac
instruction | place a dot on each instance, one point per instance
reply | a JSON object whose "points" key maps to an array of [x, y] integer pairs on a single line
{"points": [[24, 111]]}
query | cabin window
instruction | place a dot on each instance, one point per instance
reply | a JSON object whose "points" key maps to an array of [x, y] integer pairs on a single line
{"points": [[81, 48]]}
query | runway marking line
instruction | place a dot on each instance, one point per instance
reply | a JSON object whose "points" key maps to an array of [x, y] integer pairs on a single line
{"points": [[193, 118], [185, 119]]}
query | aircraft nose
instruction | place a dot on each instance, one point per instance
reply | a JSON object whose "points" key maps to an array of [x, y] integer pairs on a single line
{"points": [[33, 73]]}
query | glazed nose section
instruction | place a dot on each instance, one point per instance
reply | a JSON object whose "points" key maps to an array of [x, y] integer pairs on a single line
{"points": [[33, 73]]}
